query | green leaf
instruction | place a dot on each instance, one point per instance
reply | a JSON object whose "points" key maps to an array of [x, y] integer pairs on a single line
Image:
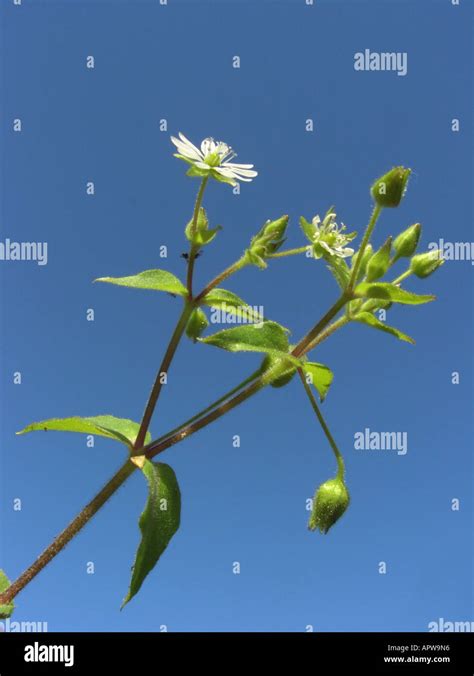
{"points": [[231, 304], [387, 291], [158, 522], [109, 426], [321, 377], [369, 319], [268, 337], [156, 280], [7, 608]]}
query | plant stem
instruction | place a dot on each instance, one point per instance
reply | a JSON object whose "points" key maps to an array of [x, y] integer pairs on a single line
{"points": [[365, 240], [402, 277], [163, 370], [322, 422], [289, 252], [303, 345], [220, 278], [328, 331], [203, 412], [194, 249], [177, 334], [156, 447], [69, 532]]}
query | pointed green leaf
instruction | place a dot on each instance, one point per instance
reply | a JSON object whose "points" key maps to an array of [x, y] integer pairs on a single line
{"points": [[391, 292], [103, 425], [158, 522], [268, 337], [369, 319], [156, 280], [321, 377], [7, 608], [231, 304]]}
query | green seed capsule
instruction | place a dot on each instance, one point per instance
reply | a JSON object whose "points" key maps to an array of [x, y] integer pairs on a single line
{"points": [[197, 323], [283, 371], [329, 504]]}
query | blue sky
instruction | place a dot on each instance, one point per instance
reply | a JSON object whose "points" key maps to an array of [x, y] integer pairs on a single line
{"points": [[246, 504]]}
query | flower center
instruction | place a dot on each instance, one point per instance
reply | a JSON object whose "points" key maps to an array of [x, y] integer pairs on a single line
{"points": [[213, 159]]}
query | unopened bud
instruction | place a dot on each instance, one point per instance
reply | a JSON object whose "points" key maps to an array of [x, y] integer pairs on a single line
{"points": [[389, 189], [407, 241], [423, 265], [379, 263]]}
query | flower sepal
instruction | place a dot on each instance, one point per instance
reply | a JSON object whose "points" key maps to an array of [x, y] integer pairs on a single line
{"points": [[201, 235]]}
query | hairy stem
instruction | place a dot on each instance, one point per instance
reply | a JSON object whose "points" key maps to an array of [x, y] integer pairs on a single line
{"points": [[365, 240], [289, 252], [202, 419], [68, 533], [194, 249], [322, 422], [163, 370], [220, 278]]}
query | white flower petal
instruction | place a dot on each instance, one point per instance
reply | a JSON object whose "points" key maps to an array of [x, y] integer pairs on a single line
{"points": [[187, 143], [225, 171], [187, 150], [244, 172], [241, 166]]}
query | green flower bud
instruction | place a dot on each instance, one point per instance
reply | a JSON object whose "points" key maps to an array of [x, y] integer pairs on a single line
{"points": [[389, 189], [407, 241], [329, 504], [379, 263], [283, 371], [423, 265], [275, 230], [368, 253], [268, 240], [197, 323]]}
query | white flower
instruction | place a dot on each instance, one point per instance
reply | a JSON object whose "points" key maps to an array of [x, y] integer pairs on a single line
{"points": [[330, 238], [212, 159]]}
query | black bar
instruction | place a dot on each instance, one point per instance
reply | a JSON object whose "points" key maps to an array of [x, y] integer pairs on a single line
{"points": [[325, 653]]}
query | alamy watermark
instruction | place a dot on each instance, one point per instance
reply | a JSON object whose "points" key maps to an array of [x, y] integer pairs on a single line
{"points": [[24, 251], [449, 626], [244, 314], [369, 440], [382, 61], [454, 251], [10, 627]]}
